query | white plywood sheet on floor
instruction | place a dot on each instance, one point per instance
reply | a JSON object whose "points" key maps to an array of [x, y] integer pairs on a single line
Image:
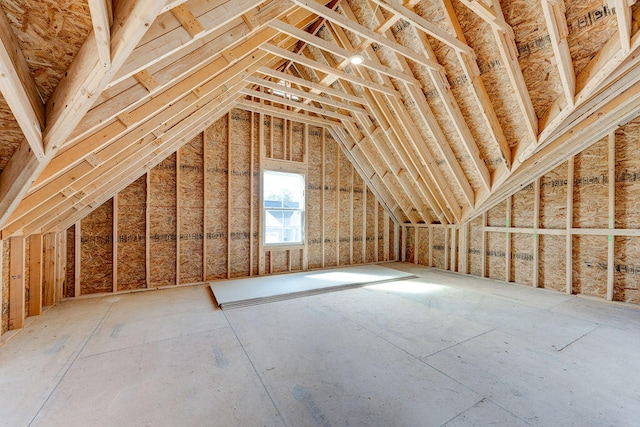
{"points": [[258, 290]]}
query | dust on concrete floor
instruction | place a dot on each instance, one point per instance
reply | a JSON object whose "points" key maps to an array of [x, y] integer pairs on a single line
{"points": [[443, 349]]}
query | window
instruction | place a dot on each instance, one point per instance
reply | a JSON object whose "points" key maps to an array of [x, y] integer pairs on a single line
{"points": [[283, 208]]}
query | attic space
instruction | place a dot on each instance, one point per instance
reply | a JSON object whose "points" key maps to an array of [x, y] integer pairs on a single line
{"points": [[152, 148]]}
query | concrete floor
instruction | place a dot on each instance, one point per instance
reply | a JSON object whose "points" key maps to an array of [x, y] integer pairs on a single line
{"points": [[440, 350]]}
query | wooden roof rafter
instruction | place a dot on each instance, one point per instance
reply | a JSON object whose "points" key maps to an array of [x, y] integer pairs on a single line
{"points": [[19, 89], [380, 111], [472, 73], [554, 14], [72, 98], [505, 40], [400, 120]]}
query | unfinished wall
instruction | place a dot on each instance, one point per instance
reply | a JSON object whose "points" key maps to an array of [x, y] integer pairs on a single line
{"points": [[196, 215], [576, 229]]}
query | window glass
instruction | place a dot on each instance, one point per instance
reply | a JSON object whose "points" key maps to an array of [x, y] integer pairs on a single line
{"points": [[283, 208]]}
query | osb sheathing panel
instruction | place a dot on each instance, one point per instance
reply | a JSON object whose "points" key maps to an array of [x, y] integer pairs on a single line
{"points": [[380, 236], [410, 244], [493, 74], [50, 34], [297, 141], [358, 204], [70, 279], [475, 246], [330, 217], [627, 175], [590, 265], [371, 232], [215, 138], [162, 204], [423, 246], [96, 251], [10, 131], [496, 256], [497, 216], [591, 24], [279, 261], [438, 247], [522, 207], [313, 215], [131, 236], [27, 293], [553, 198], [591, 189], [278, 138], [552, 262], [190, 207], [6, 246], [240, 177], [536, 58], [345, 209], [296, 259], [522, 258], [627, 270]]}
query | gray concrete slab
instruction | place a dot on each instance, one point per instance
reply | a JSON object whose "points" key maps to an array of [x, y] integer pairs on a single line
{"points": [[439, 350]]}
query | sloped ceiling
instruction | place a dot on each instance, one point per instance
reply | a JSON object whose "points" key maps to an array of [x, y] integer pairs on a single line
{"points": [[458, 103]]}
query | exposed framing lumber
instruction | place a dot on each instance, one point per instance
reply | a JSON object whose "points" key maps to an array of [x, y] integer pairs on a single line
{"points": [[287, 54], [322, 44], [73, 97], [48, 268], [302, 94], [294, 104], [472, 72], [101, 19], [19, 89], [536, 236], [35, 275], [611, 161], [78, 258], [389, 125], [505, 40], [16, 283], [569, 225], [170, 36], [189, 22], [624, 16], [361, 30], [554, 15], [425, 26]]}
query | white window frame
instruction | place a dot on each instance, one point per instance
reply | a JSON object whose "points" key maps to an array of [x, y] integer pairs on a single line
{"points": [[300, 209]]}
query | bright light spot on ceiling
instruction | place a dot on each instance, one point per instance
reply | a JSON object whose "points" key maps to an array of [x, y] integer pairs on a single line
{"points": [[357, 59]]}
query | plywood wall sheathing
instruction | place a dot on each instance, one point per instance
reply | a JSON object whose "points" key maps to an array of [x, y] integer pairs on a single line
{"points": [[70, 282], [522, 259], [496, 256], [215, 138], [438, 247], [590, 201], [590, 265], [552, 251], [131, 271], [553, 197], [240, 178], [96, 268], [330, 201], [315, 207], [163, 227]]}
